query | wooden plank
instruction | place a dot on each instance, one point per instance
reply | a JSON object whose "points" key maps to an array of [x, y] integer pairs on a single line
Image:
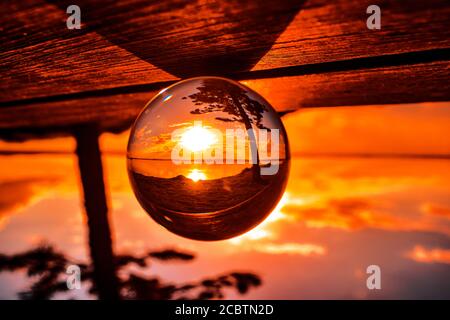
{"points": [[136, 42], [41, 57], [383, 85], [111, 113]]}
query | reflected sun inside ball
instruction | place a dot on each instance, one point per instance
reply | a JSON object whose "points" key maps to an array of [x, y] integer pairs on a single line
{"points": [[197, 138]]}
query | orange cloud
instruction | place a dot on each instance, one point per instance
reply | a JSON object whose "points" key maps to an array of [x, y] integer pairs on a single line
{"points": [[435, 255], [372, 129], [436, 210], [351, 214], [356, 214], [17, 194], [303, 249]]}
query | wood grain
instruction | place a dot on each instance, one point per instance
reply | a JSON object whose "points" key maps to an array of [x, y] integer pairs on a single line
{"points": [[137, 42], [384, 85], [426, 82]]}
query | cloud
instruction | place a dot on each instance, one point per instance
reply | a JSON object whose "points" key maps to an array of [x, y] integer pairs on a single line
{"points": [[351, 213], [372, 129], [15, 194], [424, 255], [153, 146], [359, 213], [303, 249], [183, 124], [436, 210]]}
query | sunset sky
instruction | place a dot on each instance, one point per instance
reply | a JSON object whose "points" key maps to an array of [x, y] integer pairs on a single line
{"points": [[341, 212]]}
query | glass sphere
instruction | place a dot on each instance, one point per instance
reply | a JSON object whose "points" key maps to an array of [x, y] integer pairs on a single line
{"points": [[208, 158]]}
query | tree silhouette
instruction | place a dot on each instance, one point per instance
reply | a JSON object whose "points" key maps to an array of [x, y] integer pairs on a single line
{"points": [[49, 267], [223, 96]]}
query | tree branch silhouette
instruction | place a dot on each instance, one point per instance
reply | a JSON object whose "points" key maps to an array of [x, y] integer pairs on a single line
{"points": [[223, 96], [49, 267]]}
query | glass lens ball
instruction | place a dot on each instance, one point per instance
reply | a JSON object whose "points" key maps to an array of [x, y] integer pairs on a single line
{"points": [[208, 158]]}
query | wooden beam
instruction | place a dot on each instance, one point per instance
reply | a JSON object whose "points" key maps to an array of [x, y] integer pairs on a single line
{"points": [[426, 82], [130, 43], [423, 82]]}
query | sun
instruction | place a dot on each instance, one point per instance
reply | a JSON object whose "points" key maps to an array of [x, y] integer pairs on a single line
{"points": [[197, 138], [196, 175]]}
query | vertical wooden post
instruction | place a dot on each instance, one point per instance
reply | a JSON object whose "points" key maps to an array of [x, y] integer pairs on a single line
{"points": [[100, 242]]}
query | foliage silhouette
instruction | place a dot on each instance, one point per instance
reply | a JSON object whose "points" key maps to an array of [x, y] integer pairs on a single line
{"points": [[49, 267]]}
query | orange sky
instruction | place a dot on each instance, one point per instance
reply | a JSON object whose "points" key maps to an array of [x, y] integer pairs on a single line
{"points": [[338, 214], [368, 129]]}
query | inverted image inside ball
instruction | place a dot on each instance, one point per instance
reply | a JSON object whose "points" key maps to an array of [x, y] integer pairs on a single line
{"points": [[208, 158]]}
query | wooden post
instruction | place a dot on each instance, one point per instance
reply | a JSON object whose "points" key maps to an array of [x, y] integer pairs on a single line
{"points": [[100, 242]]}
